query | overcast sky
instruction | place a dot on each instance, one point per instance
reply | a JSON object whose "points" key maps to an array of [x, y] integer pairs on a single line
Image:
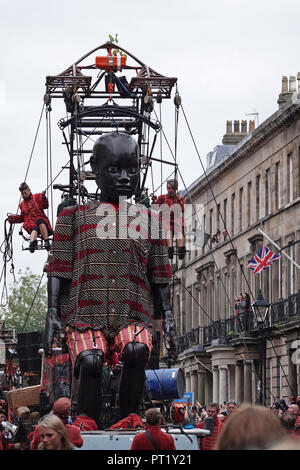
{"points": [[229, 57]]}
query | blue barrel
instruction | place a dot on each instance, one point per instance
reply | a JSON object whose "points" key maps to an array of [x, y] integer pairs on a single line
{"points": [[165, 384]]}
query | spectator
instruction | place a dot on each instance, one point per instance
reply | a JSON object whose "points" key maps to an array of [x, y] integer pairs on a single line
{"points": [[53, 434], [25, 427], [287, 421], [292, 400], [6, 431], [298, 402], [243, 307], [194, 416], [294, 411], [208, 443], [154, 438], [61, 410], [231, 407], [251, 427]]}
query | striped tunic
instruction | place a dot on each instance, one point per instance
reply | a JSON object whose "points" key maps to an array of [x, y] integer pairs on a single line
{"points": [[110, 272]]}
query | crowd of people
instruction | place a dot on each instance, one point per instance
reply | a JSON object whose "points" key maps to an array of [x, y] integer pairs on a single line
{"points": [[245, 427]]}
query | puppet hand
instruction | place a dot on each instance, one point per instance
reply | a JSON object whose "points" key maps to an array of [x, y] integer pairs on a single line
{"points": [[53, 327]]}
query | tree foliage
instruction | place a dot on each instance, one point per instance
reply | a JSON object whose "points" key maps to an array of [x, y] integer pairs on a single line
{"points": [[27, 303]]}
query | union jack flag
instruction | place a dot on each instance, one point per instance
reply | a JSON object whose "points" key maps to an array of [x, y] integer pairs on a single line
{"points": [[262, 260]]}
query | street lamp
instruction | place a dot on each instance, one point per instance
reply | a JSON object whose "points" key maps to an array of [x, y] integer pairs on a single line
{"points": [[260, 309]]}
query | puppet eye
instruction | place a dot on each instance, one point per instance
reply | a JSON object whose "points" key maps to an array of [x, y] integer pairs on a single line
{"points": [[133, 169], [112, 169]]}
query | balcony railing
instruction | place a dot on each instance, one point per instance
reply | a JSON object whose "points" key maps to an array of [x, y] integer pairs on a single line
{"points": [[280, 311]]}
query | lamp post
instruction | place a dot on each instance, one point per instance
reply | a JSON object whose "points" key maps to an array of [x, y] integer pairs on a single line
{"points": [[260, 308]]}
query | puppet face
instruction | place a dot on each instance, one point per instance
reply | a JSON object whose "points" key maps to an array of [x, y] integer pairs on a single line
{"points": [[115, 164]]}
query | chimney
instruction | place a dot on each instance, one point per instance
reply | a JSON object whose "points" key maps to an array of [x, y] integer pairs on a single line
{"points": [[229, 127], [236, 127], [239, 131], [251, 126], [244, 127], [287, 90], [292, 83]]}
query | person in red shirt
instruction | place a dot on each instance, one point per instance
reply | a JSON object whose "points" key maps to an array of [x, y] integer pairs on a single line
{"points": [[153, 438], [61, 409], [34, 219], [208, 443], [176, 228]]}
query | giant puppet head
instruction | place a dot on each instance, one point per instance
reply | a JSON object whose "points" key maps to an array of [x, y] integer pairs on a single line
{"points": [[115, 165]]}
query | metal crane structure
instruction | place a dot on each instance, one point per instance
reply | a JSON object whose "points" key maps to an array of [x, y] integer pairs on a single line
{"points": [[98, 99]]}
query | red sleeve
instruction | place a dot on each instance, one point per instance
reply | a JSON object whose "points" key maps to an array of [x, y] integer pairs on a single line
{"points": [[17, 219]]}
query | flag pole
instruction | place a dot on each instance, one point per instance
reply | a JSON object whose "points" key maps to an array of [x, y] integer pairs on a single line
{"points": [[278, 248]]}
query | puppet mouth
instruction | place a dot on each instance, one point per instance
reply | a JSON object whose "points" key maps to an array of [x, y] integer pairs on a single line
{"points": [[124, 187]]}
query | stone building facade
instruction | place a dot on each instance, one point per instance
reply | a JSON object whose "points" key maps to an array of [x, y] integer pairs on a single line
{"points": [[252, 182]]}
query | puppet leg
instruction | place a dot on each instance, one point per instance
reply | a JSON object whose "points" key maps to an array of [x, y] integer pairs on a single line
{"points": [[88, 369], [135, 357]]}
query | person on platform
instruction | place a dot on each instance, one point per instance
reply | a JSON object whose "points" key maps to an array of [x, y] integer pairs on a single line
{"points": [[176, 228], [53, 434], [61, 409], [153, 438], [208, 443], [105, 276], [34, 219]]}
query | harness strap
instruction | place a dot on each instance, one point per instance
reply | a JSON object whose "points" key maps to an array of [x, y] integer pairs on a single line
{"points": [[152, 440]]}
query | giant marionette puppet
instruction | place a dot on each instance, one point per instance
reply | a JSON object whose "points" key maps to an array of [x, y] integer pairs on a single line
{"points": [[103, 281]]}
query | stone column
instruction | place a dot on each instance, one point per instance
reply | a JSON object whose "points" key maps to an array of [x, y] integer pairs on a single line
{"points": [[247, 382], [215, 384], [208, 387], [187, 382], [194, 385], [201, 386], [239, 383], [254, 384], [223, 393], [231, 383]]}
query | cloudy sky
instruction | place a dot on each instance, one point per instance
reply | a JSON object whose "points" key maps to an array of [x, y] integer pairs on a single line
{"points": [[229, 57]]}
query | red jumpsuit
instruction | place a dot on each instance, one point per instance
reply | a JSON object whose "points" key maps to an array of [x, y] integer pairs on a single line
{"points": [[164, 440], [32, 209]]}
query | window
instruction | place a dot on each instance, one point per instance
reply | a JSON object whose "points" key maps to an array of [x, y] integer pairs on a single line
{"points": [[277, 185], [232, 213], [218, 216], [225, 213], [249, 208], [241, 209], [211, 222], [258, 209], [268, 191], [292, 271], [290, 178]]}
